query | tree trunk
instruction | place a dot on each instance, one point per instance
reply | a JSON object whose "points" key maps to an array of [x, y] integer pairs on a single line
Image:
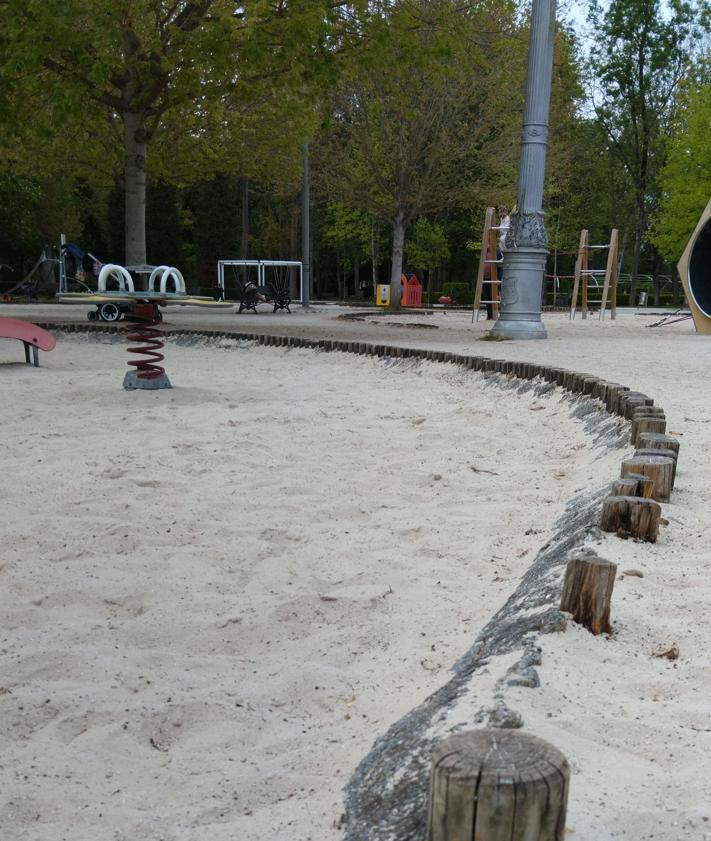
{"points": [[656, 282], [293, 249], [638, 237], [244, 234], [244, 231], [647, 422], [356, 276], [396, 272], [135, 185], [373, 259]]}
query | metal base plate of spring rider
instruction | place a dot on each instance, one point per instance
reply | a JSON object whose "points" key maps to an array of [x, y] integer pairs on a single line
{"points": [[132, 380]]}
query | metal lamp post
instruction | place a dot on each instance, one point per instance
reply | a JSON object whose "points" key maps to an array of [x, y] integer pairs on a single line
{"points": [[305, 234], [526, 244]]}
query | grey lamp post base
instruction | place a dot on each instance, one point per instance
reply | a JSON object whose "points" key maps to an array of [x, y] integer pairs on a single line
{"points": [[519, 329], [521, 287]]}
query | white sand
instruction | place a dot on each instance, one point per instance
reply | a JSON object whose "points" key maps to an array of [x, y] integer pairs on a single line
{"points": [[215, 598]]}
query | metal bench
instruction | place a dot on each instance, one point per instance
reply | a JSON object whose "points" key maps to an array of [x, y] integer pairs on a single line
{"points": [[279, 295]]}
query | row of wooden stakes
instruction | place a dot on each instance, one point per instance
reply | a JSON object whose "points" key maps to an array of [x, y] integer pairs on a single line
{"points": [[631, 510], [647, 478], [508, 785]]}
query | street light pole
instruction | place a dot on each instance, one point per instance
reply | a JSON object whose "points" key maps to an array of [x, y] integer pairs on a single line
{"points": [[305, 233], [526, 244]]}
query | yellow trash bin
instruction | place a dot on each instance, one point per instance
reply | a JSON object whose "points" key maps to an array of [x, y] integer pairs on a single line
{"points": [[382, 298]]}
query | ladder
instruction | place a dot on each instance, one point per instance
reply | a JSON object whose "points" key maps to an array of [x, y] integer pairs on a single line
{"points": [[584, 276], [488, 246]]}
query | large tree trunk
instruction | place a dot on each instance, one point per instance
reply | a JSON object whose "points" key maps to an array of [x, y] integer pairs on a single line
{"points": [[374, 267], [134, 129], [640, 225], [295, 217], [244, 234], [356, 275], [398, 247]]}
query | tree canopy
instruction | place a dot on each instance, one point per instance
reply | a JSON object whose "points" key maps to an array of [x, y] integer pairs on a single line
{"points": [[122, 121]]}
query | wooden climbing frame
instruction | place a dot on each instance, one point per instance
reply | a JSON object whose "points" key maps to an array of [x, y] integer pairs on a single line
{"points": [[489, 245], [583, 276]]}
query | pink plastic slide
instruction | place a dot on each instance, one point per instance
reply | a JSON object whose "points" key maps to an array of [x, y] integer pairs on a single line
{"points": [[30, 335]]}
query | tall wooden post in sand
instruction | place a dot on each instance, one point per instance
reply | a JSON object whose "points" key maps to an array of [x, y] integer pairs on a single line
{"points": [[497, 785], [587, 590]]}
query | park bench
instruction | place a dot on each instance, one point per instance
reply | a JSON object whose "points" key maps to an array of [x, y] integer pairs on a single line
{"points": [[249, 295], [275, 292], [29, 334], [278, 294]]}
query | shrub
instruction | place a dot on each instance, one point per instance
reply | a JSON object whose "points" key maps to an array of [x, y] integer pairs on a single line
{"points": [[461, 293]]}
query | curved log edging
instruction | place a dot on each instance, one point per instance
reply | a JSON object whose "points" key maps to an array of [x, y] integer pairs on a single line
{"points": [[386, 797]]}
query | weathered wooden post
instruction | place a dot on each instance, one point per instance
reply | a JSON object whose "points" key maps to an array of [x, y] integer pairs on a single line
{"points": [[497, 785], [659, 468], [631, 516], [633, 484], [587, 591], [656, 451], [644, 421], [658, 441]]}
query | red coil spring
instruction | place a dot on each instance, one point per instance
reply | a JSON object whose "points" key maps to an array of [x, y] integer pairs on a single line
{"points": [[146, 369]]}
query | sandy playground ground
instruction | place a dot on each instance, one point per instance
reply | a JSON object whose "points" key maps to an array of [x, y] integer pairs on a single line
{"points": [[213, 599]]}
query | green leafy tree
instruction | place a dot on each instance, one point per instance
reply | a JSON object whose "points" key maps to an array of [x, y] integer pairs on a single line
{"points": [[146, 86], [685, 180], [639, 57], [126, 63], [215, 209], [428, 247], [421, 114], [350, 235]]}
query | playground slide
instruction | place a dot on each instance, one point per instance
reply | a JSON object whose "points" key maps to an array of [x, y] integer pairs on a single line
{"points": [[29, 334]]}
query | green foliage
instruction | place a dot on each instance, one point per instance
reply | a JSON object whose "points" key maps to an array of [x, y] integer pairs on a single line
{"points": [[685, 179], [639, 57], [210, 86], [215, 213], [164, 227], [19, 200], [427, 247], [418, 112], [345, 230], [461, 293]]}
